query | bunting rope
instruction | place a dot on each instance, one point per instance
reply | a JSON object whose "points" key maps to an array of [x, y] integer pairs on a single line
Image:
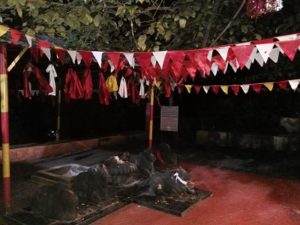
{"points": [[178, 64]]}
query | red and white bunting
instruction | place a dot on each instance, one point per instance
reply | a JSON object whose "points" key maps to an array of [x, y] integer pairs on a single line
{"points": [[160, 57], [245, 88], [47, 52], [29, 40], [98, 57], [206, 88], [274, 55], [265, 50], [130, 58], [289, 48], [294, 84], [223, 51], [72, 55], [242, 54]]}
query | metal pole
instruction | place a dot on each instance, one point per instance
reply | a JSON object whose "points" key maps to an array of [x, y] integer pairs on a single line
{"points": [[5, 127], [151, 108], [58, 115]]}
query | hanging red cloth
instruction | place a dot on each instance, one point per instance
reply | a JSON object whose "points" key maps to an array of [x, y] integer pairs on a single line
{"points": [[26, 84], [42, 81], [87, 84], [103, 92], [132, 91], [73, 88]]}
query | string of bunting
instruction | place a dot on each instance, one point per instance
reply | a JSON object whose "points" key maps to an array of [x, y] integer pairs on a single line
{"points": [[178, 64], [237, 88]]}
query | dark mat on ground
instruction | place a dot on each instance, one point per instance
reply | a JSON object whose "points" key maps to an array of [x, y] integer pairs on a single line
{"points": [[87, 214], [173, 205]]}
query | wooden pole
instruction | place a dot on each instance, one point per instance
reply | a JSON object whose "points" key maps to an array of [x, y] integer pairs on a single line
{"points": [[16, 60], [5, 127], [151, 108]]}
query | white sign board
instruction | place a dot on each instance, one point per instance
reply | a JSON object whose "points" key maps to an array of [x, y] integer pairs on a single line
{"points": [[169, 118]]}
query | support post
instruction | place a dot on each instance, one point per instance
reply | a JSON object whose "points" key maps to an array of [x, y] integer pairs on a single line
{"points": [[5, 127], [151, 108], [58, 117]]}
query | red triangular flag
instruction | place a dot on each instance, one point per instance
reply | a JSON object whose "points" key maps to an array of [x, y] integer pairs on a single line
{"points": [[282, 84], [199, 59], [242, 54], [235, 89], [87, 84], [289, 48], [36, 53], [220, 62], [143, 59], [263, 41], [177, 58], [180, 88], [197, 88], [215, 88], [61, 54], [190, 68], [114, 57], [15, 36], [256, 87], [87, 57], [43, 44]]}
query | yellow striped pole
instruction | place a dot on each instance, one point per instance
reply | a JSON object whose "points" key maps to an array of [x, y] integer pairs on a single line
{"points": [[151, 108], [5, 127]]}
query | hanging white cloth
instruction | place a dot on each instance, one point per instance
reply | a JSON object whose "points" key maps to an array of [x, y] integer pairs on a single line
{"points": [[123, 88], [142, 88], [52, 74]]}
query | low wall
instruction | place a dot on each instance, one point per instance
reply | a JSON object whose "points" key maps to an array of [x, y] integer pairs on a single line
{"points": [[59, 148], [248, 141]]}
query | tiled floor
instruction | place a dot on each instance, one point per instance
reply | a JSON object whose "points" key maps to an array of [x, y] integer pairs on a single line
{"points": [[238, 199]]}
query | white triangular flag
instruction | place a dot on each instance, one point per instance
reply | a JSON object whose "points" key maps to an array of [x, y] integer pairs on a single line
{"points": [[123, 88], [98, 57], [243, 44], [160, 57], [214, 69], [206, 88], [259, 59], [289, 37], [253, 54], [29, 40], [72, 55], [142, 88], [78, 58], [52, 74], [22, 92], [248, 64], [265, 50], [245, 88], [153, 61], [47, 52], [294, 84], [130, 58], [209, 55], [274, 55], [223, 52], [112, 68]]}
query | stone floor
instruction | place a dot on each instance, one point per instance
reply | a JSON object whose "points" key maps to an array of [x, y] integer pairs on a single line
{"points": [[238, 199]]}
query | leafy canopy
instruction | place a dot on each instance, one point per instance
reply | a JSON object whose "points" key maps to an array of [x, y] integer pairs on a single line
{"points": [[145, 25]]}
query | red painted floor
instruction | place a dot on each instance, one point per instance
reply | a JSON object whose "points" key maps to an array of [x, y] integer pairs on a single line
{"points": [[238, 199]]}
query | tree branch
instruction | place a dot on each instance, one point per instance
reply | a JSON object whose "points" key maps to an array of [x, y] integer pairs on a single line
{"points": [[210, 22], [230, 22]]}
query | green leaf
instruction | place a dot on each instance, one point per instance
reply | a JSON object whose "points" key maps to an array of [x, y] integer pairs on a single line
{"points": [[141, 42], [97, 20], [182, 23], [19, 10]]}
